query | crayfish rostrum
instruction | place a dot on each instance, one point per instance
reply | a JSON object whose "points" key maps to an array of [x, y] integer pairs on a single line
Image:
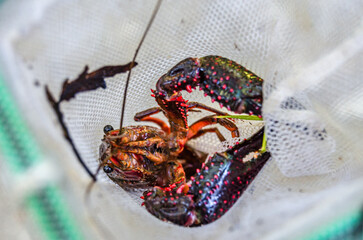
{"points": [[155, 159]]}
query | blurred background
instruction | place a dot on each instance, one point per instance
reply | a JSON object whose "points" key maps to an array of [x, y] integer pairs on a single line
{"points": [[309, 54]]}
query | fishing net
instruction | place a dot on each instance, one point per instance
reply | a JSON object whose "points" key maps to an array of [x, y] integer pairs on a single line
{"points": [[308, 53]]}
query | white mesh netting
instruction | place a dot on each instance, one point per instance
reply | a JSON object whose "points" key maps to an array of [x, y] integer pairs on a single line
{"points": [[309, 54]]}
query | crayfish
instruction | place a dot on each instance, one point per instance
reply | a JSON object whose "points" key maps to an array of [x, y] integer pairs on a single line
{"points": [[155, 159], [181, 184]]}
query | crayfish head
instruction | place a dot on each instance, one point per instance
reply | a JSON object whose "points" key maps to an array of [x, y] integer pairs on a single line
{"points": [[124, 156], [168, 205], [121, 173], [183, 76]]}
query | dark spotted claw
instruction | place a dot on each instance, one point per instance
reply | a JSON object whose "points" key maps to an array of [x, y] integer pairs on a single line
{"points": [[214, 188], [221, 182], [224, 80]]}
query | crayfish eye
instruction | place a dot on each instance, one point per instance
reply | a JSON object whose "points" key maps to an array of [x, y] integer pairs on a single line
{"points": [[107, 128], [107, 169]]}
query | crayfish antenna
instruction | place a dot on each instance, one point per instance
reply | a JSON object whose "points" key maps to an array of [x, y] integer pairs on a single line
{"points": [[100, 226], [88, 191], [156, 9], [93, 181]]}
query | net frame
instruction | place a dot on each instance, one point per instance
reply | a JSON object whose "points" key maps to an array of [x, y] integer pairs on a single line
{"points": [[281, 42]]}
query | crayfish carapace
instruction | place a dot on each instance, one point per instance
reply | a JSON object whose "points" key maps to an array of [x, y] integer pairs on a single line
{"points": [[148, 157]]}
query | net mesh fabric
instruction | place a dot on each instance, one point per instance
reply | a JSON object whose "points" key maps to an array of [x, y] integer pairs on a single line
{"points": [[310, 61]]}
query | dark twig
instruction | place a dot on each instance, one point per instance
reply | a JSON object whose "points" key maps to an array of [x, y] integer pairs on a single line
{"points": [[91, 81], [55, 106], [85, 82]]}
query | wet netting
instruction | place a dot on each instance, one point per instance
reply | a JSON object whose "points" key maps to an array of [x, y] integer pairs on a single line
{"points": [[309, 54]]}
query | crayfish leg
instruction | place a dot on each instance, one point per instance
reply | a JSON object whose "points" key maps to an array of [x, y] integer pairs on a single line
{"points": [[192, 105], [201, 132], [145, 117], [197, 126]]}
